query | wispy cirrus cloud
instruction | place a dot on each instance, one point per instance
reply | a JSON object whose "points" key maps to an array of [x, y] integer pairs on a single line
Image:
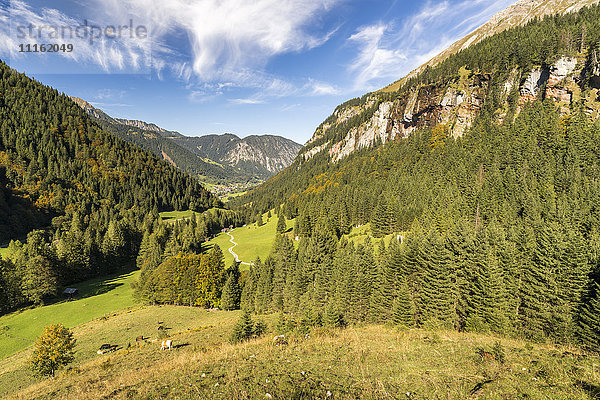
{"points": [[388, 50], [227, 40], [93, 41], [230, 40]]}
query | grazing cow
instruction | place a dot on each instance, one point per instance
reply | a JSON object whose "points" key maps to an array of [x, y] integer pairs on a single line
{"points": [[166, 344], [280, 340], [139, 338], [106, 348]]}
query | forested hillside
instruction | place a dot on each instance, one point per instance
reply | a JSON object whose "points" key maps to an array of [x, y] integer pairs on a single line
{"points": [[488, 180], [217, 159], [89, 195]]}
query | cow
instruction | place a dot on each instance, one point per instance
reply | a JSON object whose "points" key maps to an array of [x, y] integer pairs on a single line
{"points": [[166, 344], [139, 338], [280, 340], [106, 348]]}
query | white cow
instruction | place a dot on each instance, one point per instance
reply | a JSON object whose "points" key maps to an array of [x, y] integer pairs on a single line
{"points": [[166, 344]]}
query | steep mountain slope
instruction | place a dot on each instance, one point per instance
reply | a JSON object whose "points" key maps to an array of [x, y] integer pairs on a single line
{"points": [[88, 192], [221, 159], [517, 14], [451, 95], [483, 172]]}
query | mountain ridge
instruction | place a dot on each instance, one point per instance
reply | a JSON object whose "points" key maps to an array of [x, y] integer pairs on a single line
{"points": [[214, 158], [516, 14], [417, 100]]}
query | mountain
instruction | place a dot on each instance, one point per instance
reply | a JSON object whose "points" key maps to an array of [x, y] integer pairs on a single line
{"points": [[456, 95], [260, 155], [218, 159], [517, 14], [83, 196], [467, 199]]}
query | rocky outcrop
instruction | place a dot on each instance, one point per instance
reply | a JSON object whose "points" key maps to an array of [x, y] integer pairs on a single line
{"points": [[516, 14], [536, 79], [455, 105]]}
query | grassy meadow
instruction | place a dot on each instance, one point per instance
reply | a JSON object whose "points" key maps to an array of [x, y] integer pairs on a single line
{"points": [[252, 240], [184, 325], [175, 215], [96, 298], [367, 362]]}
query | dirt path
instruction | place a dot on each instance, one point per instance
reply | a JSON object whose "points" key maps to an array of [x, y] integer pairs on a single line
{"points": [[235, 256]]}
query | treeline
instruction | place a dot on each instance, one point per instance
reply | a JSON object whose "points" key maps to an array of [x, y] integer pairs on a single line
{"points": [[529, 282], [89, 194], [500, 226], [177, 268]]}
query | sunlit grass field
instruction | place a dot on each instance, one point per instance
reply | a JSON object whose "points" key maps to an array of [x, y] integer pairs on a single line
{"points": [[175, 215], [96, 298], [252, 240], [363, 362]]}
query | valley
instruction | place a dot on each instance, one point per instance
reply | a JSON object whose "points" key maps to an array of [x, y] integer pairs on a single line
{"points": [[225, 162], [437, 238]]}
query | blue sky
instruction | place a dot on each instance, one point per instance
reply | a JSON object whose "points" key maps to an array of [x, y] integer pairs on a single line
{"points": [[241, 66]]}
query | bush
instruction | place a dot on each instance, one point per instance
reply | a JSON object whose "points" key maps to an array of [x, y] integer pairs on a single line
{"points": [[246, 329], [53, 350]]}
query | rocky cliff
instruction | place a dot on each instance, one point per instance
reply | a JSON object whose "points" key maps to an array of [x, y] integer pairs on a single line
{"points": [[455, 100]]}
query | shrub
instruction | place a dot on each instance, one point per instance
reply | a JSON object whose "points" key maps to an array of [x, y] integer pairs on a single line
{"points": [[246, 329], [53, 350]]}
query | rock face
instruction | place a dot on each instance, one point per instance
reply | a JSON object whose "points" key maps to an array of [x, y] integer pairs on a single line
{"points": [[263, 155], [454, 104], [536, 79], [457, 103]]}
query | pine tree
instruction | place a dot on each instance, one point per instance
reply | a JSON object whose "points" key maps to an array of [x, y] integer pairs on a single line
{"points": [[281, 225], [588, 320], [230, 299], [402, 307]]}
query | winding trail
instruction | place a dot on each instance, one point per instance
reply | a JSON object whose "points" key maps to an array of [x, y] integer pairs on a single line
{"points": [[235, 256]]}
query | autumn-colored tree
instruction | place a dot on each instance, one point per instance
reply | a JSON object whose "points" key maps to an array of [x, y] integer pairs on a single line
{"points": [[53, 350]]}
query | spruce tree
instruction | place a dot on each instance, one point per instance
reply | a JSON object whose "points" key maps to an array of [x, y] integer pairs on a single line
{"points": [[588, 320], [230, 299], [281, 225]]}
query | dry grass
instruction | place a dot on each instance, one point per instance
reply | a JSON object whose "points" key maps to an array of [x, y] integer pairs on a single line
{"points": [[371, 362]]}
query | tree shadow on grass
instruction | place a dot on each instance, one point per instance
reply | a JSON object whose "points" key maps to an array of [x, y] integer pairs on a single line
{"points": [[94, 287], [592, 389]]}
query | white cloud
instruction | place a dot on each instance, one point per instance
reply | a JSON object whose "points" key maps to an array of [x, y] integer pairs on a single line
{"points": [[230, 40], [23, 25], [246, 101], [316, 88], [388, 51], [374, 60]]}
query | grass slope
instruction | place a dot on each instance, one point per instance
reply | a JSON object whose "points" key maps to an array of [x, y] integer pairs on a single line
{"points": [[201, 327], [368, 362], [97, 298], [175, 215], [252, 240]]}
